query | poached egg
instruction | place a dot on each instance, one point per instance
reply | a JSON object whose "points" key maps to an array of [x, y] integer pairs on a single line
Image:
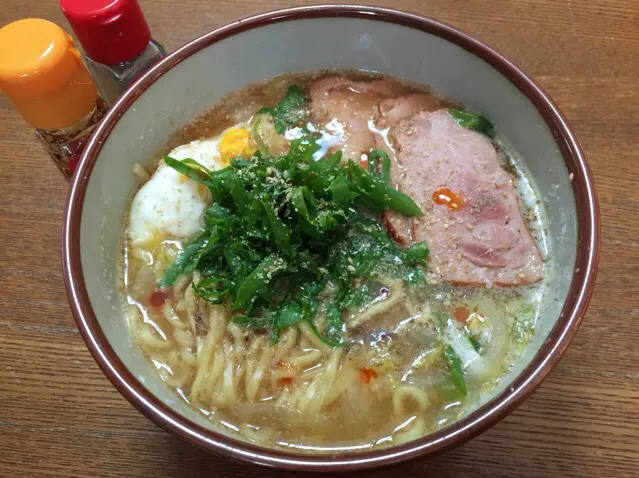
{"points": [[171, 206]]}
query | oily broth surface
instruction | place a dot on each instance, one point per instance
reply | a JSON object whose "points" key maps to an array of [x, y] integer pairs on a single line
{"points": [[300, 394]]}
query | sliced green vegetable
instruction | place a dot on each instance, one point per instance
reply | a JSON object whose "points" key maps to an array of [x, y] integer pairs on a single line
{"points": [[403, 204], [475, 343], [340, 191], [288, 112], [282, 227], [281, 233], [455, 369], [186, 261], [334, 325], [240, 196], [473, 121], [299, 203], [214, 289], [368, 186], [257, 136], [290, 314], [356, 297], [377, 195], [253, 322], [418, 253], [303, 149], [188, 169], [379, 163], [262, 275]]}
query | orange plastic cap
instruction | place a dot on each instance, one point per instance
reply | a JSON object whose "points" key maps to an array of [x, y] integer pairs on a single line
{"points": [[43, 75]]}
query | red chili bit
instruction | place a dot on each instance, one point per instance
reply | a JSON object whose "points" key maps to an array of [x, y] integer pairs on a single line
{"points": [[366, 374], [158, 297], [461, 314], [285, 381], [445, 197]]}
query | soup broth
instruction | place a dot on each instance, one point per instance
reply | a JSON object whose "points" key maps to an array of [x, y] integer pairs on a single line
{"points": [[409, 354]]}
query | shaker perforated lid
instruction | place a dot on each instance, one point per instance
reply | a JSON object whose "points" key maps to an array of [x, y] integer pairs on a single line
{"points": [[110, 31]]}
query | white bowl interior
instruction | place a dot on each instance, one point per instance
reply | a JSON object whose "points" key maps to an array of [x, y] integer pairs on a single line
{"points": [[197, 84]]}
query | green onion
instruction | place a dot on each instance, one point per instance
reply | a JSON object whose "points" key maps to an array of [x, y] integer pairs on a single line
{"points": [[475, 343], [261, 276], [280, 228], [402, 203], [290, 110], [455, 369], [186, 261], [473, 121]]}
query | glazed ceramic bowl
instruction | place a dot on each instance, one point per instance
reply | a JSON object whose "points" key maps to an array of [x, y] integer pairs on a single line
{"points": [[418, 49]]}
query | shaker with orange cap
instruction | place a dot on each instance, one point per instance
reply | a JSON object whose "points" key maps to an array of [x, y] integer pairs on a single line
{"points": [[43, 75]]}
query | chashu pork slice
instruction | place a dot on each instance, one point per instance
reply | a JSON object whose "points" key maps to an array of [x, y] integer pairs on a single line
{"points": [[344, 107], [485, 240], [388, 113], [392, 110]]}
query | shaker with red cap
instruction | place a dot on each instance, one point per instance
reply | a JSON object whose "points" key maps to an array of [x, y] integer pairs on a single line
{"points": [[116, 40]]}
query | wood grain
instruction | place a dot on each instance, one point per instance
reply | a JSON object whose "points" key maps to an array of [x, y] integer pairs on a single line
{"points": [[59, 416]]}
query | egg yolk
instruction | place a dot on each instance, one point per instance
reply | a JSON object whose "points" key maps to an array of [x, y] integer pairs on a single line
{"points": [[236, 142]]}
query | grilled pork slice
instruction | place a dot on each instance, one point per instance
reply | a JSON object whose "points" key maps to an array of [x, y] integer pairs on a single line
{"points": [[472, 222], [345, 107], [392, 110], [388, 113]]}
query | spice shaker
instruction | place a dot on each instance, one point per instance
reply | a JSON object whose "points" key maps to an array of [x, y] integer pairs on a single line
{"points": [[116, 40], [46, 81]]}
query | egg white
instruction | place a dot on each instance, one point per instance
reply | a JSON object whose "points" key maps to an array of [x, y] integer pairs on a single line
{"points": [[169, 206]]}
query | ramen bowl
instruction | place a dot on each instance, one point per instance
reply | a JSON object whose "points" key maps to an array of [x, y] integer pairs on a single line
{"points": [[195, 77]]}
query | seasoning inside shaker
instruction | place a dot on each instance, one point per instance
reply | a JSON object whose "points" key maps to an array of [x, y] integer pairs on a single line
{"points": [[116, 40]]}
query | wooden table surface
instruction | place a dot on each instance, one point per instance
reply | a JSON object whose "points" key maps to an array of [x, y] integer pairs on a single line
{"points": [[59, 415]]}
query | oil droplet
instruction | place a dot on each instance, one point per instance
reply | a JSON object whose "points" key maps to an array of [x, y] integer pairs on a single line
{"points": [[445, 197]]}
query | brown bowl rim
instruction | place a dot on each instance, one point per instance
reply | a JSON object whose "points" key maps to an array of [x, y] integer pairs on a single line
{"points": [[525, 383]]}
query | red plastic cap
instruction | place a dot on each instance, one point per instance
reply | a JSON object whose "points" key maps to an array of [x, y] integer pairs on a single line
{"points": [[110, 31]]}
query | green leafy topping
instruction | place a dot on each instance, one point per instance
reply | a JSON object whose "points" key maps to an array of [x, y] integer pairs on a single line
{"points": [[257, 280], [357, 297], [334, 325], [280, 228], [255, 132], [289, 111], [379, 164], [473, 121], [455, 370], [475, 343]]}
